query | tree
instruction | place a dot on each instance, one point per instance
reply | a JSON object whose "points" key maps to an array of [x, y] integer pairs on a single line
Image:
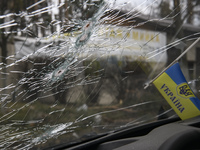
{"points": [[81, 9], [12, 19], [165, 9], [10, 10]]}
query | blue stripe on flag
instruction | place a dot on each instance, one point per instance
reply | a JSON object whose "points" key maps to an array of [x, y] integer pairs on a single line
{"points": [[176, 74], [196, 102]]}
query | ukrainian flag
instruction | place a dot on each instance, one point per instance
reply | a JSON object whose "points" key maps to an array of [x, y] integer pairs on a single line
{"points": [[174, 88]]}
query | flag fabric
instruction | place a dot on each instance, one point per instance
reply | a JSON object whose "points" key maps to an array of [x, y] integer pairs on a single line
{"points": [[174, 88]]}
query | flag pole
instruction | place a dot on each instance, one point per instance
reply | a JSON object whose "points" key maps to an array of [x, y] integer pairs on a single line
{"points": [[194, 43]]}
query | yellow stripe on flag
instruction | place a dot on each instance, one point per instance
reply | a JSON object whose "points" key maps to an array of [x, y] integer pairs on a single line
{"points": [[182, 106]]}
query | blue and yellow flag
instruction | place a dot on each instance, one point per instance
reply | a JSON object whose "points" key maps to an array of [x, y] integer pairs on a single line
{"points": [[174, 88]]}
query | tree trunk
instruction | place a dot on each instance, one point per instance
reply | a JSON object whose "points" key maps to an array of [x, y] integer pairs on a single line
{"points": [[178, 22], [177, 19], [189, 11], [3, 72], [4, 50]]}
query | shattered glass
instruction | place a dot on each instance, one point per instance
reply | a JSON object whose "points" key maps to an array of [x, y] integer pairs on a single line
{"points": [[72, 70]]}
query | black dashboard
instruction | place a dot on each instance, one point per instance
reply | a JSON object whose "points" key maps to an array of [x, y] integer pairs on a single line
{"points": [[169, 134]]}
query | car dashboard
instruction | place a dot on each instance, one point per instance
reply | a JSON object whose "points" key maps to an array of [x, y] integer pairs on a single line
{"points": [[169, 134]]}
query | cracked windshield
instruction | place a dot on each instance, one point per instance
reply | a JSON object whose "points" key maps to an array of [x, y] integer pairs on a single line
{"points": [[74, 70]]}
